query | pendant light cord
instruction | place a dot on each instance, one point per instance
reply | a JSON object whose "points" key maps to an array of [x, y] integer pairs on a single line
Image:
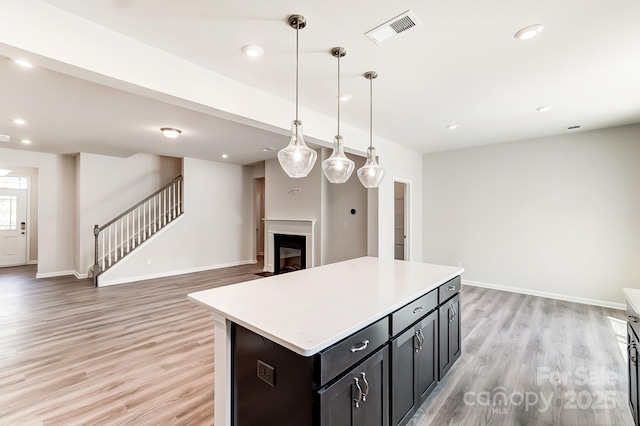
{"points": [[370, 112], [297, 54], [339, 95]]}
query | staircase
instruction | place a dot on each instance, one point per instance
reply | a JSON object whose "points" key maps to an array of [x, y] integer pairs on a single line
{"points": [[130, 229]]}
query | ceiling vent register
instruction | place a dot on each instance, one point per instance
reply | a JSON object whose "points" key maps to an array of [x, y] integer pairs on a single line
{"points": [[393, 27], [5, 138]]}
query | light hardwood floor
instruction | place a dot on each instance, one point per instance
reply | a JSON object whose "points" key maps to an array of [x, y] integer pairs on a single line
{"points": [[142, 354]]}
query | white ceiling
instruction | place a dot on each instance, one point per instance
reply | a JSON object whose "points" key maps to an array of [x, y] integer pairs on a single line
{"points": [[462, 66]]}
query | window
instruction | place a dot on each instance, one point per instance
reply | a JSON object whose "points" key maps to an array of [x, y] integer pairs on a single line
{"points": [[8, 212], [13, 182]]}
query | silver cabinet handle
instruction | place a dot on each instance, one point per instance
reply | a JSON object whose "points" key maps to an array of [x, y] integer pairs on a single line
{"points": [[632, 318], [632, 360], [452, 312], [421, 338], [452, 288], [356, 402], [418, 309], [365, 392], [361, 347], [416, 342]]}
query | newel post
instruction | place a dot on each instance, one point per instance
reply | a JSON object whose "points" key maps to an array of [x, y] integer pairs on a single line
{"points": [[96, 265]]}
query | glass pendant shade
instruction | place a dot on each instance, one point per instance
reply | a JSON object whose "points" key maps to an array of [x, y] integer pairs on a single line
{"points": [[371, 174], [338, 168], [297, 159]]}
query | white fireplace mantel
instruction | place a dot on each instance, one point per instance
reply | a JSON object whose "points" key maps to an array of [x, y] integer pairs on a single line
{"points": [[304, 227]]}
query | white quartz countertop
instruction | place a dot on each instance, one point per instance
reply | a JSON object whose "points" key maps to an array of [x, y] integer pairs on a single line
{"points": [[633, 297], [309, 310]]}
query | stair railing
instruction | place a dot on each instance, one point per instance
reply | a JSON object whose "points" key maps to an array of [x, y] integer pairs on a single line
{"points": [[121, 235]]}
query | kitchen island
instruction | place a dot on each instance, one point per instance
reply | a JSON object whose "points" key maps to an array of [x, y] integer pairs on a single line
{"points": [[285, 345]]}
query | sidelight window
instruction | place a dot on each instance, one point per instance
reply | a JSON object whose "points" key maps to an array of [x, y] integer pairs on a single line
{"points": [[8, 212]]}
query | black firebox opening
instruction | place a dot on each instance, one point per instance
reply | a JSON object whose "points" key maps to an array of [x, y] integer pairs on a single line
{"points": [[290, 253]]}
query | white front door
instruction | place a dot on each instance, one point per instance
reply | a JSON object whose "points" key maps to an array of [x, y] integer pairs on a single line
{"points": [[13, 227]]}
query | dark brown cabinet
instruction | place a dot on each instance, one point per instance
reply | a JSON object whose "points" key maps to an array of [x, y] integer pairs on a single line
{"points": [[414, 364], [359, 398], [450, 344], [633, 346]]}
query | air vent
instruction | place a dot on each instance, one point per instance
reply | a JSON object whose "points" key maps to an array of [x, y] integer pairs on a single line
{"points": [[393, 27], [5, 138]]}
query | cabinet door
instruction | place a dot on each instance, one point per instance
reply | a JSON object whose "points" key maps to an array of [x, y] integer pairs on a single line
{"points": [[359, 398], [449, 338], [633, 372], [404, 384], [427, 357]]}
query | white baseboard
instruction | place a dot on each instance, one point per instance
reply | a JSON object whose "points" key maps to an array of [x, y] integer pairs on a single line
{"points": [[102, 282], [55, 274], [80, 276], [557, 296], [32, 262]]}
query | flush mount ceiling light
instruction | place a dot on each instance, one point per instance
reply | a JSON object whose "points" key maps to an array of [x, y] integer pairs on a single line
{"points": [[25, 141], [529, 32], [23, 63], [267, 149], [297, 159], [338, 168], [19, 121], [453, 126], [224, 156], [4, 172], [170, 132], [252, 50], [371, 174], [344, 97], [545, 108]]}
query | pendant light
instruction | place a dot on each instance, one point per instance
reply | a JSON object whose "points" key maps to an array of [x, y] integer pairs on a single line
{"points": [[297, 159], [338, 168], [371, 174]]}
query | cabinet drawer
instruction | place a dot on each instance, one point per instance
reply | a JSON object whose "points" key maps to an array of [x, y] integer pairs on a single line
{"points": [[343, 355], [449, 289], [404, 317]]}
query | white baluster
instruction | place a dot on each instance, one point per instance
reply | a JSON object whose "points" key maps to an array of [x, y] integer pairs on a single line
{"points": [[104, 259], [121, 238], [164, 206], [110, 245], [128, 234]]}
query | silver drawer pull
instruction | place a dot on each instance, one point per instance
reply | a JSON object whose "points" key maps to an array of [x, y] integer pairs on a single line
{"points": [[452, 288], [632, 318], [362, 346], [418, 309]]}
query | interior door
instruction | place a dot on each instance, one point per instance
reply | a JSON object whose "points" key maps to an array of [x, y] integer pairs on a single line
{"points": [[13, 227], [401, 220]]}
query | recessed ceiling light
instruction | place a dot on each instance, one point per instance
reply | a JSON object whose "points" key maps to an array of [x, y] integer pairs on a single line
{"points": [[267, 148], [170, 132], [453, 126], [345, 97], [544, 108], [19, 121], [252, 50], [25, 141], [224, 156], [529, 32], [23, 63]]}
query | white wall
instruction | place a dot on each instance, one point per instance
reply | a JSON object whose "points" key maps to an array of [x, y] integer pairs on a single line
{"points": [[107, 186], [216, 229], [553, 215], [56, 213]]}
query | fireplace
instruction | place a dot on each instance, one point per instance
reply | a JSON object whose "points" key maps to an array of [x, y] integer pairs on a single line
{"points": [[303, 229], [289, 253]]}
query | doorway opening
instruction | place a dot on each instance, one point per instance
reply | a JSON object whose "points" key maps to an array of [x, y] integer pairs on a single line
{"points": [[259, 218], [401, 222], [14, 219]]}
